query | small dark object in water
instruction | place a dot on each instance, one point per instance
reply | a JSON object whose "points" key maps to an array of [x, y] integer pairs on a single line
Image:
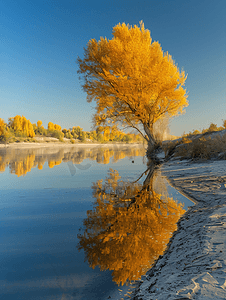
{"points": [[132, 161]]}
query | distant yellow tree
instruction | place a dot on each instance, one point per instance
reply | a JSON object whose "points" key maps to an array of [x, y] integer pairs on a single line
{"points": [[224, 124], [2, 126], [213, 127], [57, 127], [16, 123], [50, 126], [39, 123], [132, 81], [22, 126], [106, 133], [93, 135]]}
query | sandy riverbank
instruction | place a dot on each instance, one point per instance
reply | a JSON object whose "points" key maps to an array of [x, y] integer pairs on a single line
{"points": [[64, 145], [194, 266]]}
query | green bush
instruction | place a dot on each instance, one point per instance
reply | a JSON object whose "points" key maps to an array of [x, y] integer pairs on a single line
{"points": [[213, 127], [41, 131], [8, 136], [170, 147], [68, 135], [82, 136], [126, 139], [56, 134], [20, 134]]}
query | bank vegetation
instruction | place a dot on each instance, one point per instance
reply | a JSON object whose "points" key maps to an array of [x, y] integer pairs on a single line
{"points": [[210, 143], [20, 129]]}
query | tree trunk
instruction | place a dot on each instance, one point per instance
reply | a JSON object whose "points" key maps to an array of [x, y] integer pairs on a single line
{"points": [[153, 145], [151, 141]]}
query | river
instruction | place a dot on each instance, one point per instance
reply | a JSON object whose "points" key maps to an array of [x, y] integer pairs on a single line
{"points": [[81, 222]]}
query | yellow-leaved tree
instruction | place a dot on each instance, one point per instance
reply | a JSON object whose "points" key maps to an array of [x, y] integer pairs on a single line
{"points": [[53, 127], [50, 126], [39, 123], [2, 126], [21, 126], [132, 81]]}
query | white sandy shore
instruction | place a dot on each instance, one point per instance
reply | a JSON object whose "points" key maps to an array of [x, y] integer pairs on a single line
{"points": [[65, 145], [194, 265]]}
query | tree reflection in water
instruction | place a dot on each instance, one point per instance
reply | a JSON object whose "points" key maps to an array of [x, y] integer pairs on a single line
{"points": [[129, 226], [22, 161]]}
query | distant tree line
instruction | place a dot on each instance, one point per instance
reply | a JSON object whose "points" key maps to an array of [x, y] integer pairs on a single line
{"points": [[21, 129]]}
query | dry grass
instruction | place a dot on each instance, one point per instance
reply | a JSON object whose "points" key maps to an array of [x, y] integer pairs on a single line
{"points": [[201, 148], [170, 147]]}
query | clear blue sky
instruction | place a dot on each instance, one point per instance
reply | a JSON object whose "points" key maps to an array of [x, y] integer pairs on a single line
{"points": [[41, 40]]}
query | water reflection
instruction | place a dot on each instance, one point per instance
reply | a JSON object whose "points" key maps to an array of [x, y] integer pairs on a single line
{"points": [[20, 162], [129, 225]]}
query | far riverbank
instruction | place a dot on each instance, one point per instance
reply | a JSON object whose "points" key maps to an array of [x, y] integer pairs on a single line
{"points": [[23, 145]]}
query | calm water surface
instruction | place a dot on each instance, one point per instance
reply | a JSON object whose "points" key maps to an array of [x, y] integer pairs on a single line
{"points": [[81, 223]]}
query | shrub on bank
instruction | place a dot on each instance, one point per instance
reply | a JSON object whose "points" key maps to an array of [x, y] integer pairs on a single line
{"points": [[205, 147], [170, 147], [56, 134], [72, 141], [7, 136]]}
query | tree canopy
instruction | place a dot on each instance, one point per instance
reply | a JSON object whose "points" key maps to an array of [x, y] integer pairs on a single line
{"points": [[22, 126], [132, 81]]}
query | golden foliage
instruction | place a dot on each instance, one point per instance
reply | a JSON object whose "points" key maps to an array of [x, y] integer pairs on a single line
{"points": [[39, 123], [130, 78], [224, 124], [52, 127], [185, 140], [21, 125], [57, 127], [2, 126]]}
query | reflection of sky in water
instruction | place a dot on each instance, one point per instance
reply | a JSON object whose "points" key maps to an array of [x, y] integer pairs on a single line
{"points": [[38, 245], [178, 196], [40, 179], [41, 215]]}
